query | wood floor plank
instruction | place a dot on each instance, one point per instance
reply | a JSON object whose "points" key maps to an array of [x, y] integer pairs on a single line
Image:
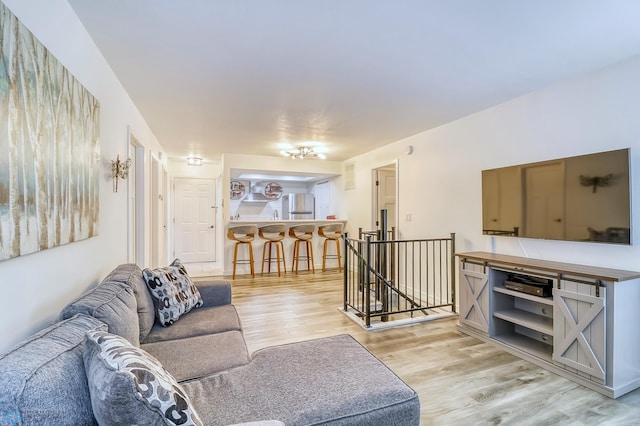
{"points": [[461, 380]]}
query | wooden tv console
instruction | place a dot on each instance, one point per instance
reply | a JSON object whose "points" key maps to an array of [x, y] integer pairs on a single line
{"points": [[588, 331]]}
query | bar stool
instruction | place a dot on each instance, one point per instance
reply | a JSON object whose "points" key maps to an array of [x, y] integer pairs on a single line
{"points": [[302, 234], [242, 234], [331, 232], [273, 234]]}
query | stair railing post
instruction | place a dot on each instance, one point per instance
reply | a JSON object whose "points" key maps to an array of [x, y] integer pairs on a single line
{"points": [[453, 271], [346, 266], [382, 264], [367, 282]]}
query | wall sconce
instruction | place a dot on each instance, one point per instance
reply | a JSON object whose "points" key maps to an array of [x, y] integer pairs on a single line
{"points": [[119, 170], [194, 161]]}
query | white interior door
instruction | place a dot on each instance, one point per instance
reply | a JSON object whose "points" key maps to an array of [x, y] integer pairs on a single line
{"points": [[385, 195], [323, 200], [194, 219]]}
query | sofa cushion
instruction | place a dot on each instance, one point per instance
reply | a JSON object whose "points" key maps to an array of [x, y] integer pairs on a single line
{"points": [[200, 356], [114, 304], [43, 381], [131, 274], [128, 386], [174, 292], [199, 322], [329, 381]]}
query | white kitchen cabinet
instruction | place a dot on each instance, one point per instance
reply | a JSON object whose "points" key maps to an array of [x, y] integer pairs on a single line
{"points": [[586, 331]]}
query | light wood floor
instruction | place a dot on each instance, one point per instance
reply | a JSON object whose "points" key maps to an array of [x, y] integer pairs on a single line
{"points": [[460, 380]]}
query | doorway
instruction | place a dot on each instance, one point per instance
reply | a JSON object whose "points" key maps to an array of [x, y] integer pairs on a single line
{"points": [[135, 202], [385, 195], [156, 213], [323, 200], [194, 220]]}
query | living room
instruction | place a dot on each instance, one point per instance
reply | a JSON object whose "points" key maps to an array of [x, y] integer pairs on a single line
{"points": [[439, 182]]}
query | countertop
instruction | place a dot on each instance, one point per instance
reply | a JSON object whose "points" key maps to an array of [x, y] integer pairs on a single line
{"points": [[268, 221], [607, 274]]}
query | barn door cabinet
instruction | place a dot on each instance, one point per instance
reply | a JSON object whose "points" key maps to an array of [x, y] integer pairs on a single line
{"points": [[588, 330]]}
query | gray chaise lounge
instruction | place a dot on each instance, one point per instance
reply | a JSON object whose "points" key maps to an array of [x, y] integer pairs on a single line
{"points": [[330, 381]]}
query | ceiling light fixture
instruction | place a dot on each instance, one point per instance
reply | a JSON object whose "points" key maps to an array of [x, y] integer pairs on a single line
{"points": [[194, 161], [303, 152]]}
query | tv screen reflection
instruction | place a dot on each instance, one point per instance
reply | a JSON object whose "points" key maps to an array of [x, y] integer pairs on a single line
{"points": [[582, 198]]}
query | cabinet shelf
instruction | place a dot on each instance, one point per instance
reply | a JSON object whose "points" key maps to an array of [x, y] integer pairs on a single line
{"points": [[526, 319], [532, 297], [525, 344]]}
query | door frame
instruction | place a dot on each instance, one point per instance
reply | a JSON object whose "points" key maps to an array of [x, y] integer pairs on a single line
{"points": [[156, 212], [375, 202], [135, 200]]}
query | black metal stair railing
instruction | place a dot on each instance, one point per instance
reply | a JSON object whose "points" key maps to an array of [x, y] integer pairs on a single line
{"points": [[390, 279]]}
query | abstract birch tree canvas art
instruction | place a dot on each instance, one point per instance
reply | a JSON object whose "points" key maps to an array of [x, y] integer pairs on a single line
{"points": [[49, 141]]}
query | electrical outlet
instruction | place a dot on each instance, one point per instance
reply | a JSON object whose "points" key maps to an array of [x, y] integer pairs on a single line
{"points": [[407, 217]]}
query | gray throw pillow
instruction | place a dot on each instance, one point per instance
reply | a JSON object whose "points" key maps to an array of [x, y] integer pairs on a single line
{"points": [[173, 291], [129, 386]]}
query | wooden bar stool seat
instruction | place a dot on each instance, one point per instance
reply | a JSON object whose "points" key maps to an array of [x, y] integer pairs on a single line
{"points": [[302, 234], [242, 235], [273, 234], [331, 232]]}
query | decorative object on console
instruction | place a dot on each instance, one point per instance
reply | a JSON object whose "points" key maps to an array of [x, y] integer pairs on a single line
{"points": [[119, 170], [129, 386], [173, 291]]}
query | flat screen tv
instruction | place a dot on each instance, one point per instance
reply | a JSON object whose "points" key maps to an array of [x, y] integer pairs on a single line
{"points": [[582, 198]]}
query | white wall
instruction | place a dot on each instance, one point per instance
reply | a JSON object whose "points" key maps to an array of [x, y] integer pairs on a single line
{"points": [[440, 183], [37, 286]]}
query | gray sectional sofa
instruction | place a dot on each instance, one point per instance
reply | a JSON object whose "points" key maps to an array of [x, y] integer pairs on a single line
{"points": [[330, 381]]}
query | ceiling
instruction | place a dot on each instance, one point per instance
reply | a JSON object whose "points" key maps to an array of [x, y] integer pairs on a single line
{"points": [[245, 76]]}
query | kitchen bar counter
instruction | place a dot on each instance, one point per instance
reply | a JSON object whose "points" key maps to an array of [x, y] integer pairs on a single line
{"points": [[258, 244], [272, 221]]}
